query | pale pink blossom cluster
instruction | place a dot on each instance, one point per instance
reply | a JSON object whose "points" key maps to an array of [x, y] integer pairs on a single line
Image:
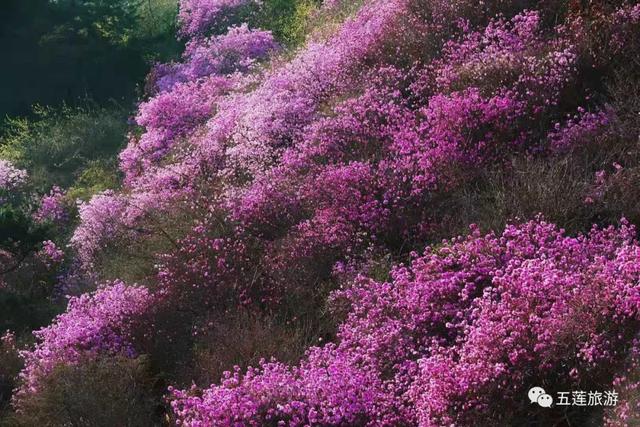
{"points": [[10, 176], [196, 17], [51, 254], [53, 207]]}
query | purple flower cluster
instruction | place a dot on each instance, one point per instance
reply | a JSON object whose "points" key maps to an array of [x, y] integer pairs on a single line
{"points": [[455, 338], [51, 254], [583, 126], [188, 92], [327, 389], [100, 219], [10, 176], [98, 323], [236, 51], [197, 16], [52, 207]]}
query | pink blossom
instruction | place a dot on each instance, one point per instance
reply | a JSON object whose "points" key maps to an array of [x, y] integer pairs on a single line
{"points": [[51, 254], [10, 176], [52, 207], [98, 323], [475, 318], [197, 16]]}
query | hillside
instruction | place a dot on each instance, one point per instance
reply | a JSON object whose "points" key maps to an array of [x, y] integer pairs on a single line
{"points": [[342, 213]]}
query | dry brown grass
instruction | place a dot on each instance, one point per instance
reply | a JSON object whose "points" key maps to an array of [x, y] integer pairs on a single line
{"points": [[243, 339], [103, 393]]}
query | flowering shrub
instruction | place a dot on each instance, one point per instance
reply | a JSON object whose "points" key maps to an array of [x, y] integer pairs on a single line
{"points": [[320, 391], [456, 338], [100, 219], [52, 207], [206, 267], [51, 254], [94, 324], [235, 51], [169, 117], [578, 128], [197, 16], [189, 91], [10, 176]]}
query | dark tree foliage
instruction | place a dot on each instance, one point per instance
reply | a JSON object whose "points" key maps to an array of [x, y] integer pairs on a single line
{"points": [[62, 50]]}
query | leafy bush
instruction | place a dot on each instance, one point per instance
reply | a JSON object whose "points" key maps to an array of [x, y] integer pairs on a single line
{"points": [[67, 50], [57, 145], [155, 29], [288, 20], [97, 177]]}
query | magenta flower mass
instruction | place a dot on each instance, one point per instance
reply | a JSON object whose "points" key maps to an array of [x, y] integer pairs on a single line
{"points": [[449, 340], [289, 205], [52, 207], [198, 16], [93, 324]]}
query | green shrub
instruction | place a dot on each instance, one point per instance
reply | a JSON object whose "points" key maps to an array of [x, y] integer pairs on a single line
{"points": [[96, 177], [59, 145], [156, 28], [288, 20], [65, 50]]}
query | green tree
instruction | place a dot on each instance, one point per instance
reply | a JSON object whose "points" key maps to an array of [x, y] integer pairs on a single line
{"points": [[63, 50]]}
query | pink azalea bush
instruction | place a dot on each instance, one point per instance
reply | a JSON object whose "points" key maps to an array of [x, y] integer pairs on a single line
{"points": [[456, 338], [51, 254], [53, 207], [98, 323], [10, 176], [100, 219], [327, 389], [578, 128], [189, 92], [236, 51], [197, 16]]}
